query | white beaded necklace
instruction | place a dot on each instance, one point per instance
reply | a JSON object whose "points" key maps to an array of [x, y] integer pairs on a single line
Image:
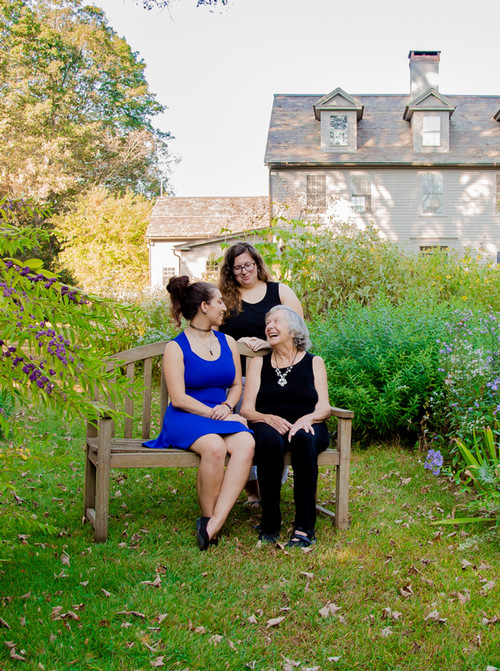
{"points": [[282, 376]]}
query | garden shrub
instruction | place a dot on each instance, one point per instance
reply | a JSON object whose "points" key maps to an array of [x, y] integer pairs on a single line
{"points": [[382, 362], [468, 401], [330, 264]]}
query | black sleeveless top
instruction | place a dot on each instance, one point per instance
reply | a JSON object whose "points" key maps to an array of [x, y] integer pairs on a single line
{"points": [[295, 399], [250, 322]]}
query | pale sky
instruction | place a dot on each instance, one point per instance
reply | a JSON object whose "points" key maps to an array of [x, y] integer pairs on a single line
{"points": [[217, 71]]}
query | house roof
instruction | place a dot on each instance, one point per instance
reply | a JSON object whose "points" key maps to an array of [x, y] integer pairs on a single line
{"points": [[182, 218], [384, 137]]}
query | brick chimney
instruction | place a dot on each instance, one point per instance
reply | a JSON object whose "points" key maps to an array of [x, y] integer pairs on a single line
{"points": [[424, 72]]}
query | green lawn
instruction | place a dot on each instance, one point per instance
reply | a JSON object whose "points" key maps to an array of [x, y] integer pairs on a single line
{"points": [[392, 592]]}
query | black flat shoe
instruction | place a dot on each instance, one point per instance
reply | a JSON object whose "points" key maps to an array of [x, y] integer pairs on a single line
{"points": [[298, 540], [201, 532]]}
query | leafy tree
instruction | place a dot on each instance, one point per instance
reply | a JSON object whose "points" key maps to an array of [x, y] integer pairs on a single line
{"points": [[104, 238], [54, 338], [75, 108]]}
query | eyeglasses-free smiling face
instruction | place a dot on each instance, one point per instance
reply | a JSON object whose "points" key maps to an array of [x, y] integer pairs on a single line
{"points": [[277, 328], [215, 308], [245, 269]]}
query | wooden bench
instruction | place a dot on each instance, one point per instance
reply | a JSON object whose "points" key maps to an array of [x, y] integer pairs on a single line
{"points": [[104, 451]]}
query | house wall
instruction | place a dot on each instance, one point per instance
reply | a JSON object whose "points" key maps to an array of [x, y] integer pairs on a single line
{"points": [[469, 217], [194, 260], [161, 255]]}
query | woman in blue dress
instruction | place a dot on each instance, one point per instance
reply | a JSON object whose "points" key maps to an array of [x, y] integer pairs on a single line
{"points": [[203, 376]]}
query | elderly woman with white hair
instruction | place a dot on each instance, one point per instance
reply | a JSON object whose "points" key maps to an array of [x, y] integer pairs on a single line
{"points": [[286, 403]]}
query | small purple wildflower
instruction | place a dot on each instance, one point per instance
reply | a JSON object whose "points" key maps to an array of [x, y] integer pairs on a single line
{"points": [[434, 461]]}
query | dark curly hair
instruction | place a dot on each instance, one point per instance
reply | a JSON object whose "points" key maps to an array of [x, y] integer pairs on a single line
{"points": [[186, 298], [228, 285]]}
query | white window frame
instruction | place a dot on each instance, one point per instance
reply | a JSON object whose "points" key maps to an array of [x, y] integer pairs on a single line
{"points": [[316, 193], [431, 131], [167, 273], [431, 189], [338, 137], [361, 194]]}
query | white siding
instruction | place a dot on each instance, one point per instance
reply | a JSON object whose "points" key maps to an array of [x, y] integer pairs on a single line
{"points": [[161, 255], [469, 217]]}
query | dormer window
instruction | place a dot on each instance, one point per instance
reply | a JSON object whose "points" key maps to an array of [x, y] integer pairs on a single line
{"points": [[338, 114], [339, 130], [431, 131], [429, 116]]}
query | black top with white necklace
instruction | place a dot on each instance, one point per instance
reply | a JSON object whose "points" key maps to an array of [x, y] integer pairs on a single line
{"points": [[296, 398]]}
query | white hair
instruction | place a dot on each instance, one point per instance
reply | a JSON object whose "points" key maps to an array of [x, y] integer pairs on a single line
{"points": [[297, 326]]}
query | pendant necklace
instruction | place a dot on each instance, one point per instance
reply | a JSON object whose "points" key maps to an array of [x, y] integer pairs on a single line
{"points": [[282, 376], [201, 341]]}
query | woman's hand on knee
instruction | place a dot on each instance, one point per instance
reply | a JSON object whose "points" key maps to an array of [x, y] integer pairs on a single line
{"points": [[280, 424], [302, 424]]}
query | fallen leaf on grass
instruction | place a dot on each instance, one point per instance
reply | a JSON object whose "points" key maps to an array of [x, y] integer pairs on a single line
{"points": [[388, 613], [106, 593], [274, 621], [386, 632], [157, 662], [334, 659], [252, 619], [492, 620], [406, 591], [434, 617], [464, 564], [487, 587], [135, 613], [65, 558], [3, 623], [329, 609], [216, 639], [153, 583]]}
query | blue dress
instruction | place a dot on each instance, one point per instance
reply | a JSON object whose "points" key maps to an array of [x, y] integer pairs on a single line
{"points": [[207, 382]]}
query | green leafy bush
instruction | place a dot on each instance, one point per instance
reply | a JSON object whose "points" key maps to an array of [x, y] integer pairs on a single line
{"points": [[382, 362], [330, 264], [468, 400]]}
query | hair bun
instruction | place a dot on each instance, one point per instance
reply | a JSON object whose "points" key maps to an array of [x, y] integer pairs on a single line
{"points": [[178, 285]]}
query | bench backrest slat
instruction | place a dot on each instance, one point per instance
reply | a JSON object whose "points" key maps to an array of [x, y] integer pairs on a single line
{"points": [[129, 404], [146, 399]]}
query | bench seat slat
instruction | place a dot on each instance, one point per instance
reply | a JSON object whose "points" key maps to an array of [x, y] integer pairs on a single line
{"points": [[128, 453]]}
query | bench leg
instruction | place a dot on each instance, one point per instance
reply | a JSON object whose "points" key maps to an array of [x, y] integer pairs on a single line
{"points": [[102, 480], [89, 487], [342, 483]]}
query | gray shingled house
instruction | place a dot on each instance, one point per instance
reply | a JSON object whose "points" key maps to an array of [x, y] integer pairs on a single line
{"points": [[184, 235], [424, 166]]}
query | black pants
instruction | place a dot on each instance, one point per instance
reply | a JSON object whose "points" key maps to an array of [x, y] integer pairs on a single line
{"points": [[270, 448]]}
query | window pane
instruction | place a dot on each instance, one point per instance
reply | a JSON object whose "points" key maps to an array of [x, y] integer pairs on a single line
{"points": [[339, 135], [316, 192], [432, 194], [431, 131], [432, 123], [361, 193]]}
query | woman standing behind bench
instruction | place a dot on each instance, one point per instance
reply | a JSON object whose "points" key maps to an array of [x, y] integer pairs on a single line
{"points": [[249, 293], [203, 377]]}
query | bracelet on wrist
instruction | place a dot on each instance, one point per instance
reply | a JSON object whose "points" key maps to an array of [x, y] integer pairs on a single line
{"points": [[229, 406]]}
